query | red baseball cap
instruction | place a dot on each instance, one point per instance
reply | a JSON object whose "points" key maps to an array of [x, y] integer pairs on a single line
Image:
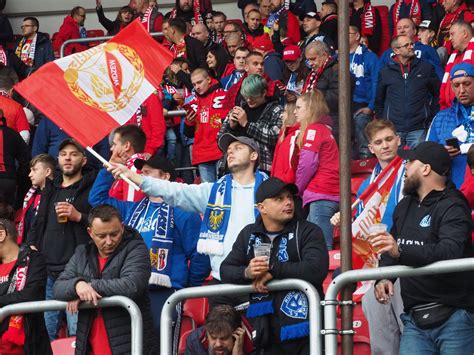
{"points": [[291, 52], [264, 43]]}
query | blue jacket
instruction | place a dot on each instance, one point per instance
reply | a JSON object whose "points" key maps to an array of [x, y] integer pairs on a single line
{"points": [[441, 129], [411, 102], [273, 66], [48, 137], [43, 54], [371, 73], [185, 235], [423, 52]]}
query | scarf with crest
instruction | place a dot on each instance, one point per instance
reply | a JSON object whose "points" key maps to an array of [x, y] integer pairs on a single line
{"points": [[415, 12], [217, 214], [162, 241], [313, 77], [26, 50]]}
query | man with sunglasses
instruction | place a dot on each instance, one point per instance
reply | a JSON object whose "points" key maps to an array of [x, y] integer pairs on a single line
{"points": [[407, 92]]}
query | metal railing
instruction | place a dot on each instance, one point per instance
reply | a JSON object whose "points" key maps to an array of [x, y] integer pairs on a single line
{"points": [[232, 290], [330, 301], [94, 39], [114, 301]]}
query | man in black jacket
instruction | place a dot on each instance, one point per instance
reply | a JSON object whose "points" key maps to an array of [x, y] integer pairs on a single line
{"points": [[297, 250], [22, 279], [432, 223], [116, 262], [61, 222], [407, 92]]}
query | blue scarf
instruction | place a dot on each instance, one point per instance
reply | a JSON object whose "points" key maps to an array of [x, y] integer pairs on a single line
{"points": [[234, 79], [357, 69], [161, 243], [217, 214]]}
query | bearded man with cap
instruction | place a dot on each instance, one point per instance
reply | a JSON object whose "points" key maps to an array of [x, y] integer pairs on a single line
{"points": [[296, 250], [227, 205], [432, 223], [454, 127], [170, 233]]}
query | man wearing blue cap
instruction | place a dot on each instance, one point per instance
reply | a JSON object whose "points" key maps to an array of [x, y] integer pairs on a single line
{"points": [[454, 126]]}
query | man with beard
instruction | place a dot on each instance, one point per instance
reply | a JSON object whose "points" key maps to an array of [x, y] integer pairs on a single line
{"points": [[61, 222], [432, 223], [149, 16]]}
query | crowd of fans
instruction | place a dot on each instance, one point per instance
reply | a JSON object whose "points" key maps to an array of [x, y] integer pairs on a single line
{"points": [[261, 99]]}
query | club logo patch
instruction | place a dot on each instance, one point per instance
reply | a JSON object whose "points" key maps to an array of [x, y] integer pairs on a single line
{"points": [[295, 305]]}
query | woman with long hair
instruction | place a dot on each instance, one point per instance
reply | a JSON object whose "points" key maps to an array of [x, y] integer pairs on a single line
{"points": [[217, 60], [124, 17], [317, 174]]}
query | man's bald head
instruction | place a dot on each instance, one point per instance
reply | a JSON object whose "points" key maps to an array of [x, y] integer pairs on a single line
{"points": [[200, 32]]}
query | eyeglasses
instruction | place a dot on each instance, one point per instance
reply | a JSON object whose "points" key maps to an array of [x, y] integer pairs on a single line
{"points": [[24, 26], [406, 45]]}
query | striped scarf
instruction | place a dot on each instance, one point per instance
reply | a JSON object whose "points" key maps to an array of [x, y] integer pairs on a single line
{"points": [[368, 20], [312, 79], [415, 13]]}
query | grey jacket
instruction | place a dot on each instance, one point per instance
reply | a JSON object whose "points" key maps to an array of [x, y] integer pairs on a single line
{"points": [[126, 273]]}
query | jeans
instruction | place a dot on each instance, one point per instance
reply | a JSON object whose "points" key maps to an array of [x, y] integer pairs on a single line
{"points": [[454, 337], [360, 122], [53, 318], [320, 213], [158, 299], [208, 171], [170, 138], [413, 138]]}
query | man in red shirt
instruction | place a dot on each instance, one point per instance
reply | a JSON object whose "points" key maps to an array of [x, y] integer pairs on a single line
{"points": [[72, 28], [12, 110]]}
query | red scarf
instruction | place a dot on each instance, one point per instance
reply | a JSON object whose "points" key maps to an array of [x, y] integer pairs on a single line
{"points": [[146, 19], [447, 21], [179, 50], [2, 145], [368, 20], [310, 83], [3, 56], [415, 13], [196, 10], [32, 198]]}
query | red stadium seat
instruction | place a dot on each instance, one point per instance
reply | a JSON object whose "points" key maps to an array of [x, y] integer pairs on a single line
{"points": [[196, 309], [386, 35], [64, 346], [235, 20], [182, 342], [327, 281], [56, 53], [95, 33]]}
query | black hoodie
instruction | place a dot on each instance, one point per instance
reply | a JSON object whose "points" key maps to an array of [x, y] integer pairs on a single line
{"points": [[434, 229]]}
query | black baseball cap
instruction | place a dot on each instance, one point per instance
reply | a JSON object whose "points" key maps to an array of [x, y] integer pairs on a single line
{"points": [[227, 138], [157, 161], [430, 153], [70, 141], [272, 187], [311, 14]]}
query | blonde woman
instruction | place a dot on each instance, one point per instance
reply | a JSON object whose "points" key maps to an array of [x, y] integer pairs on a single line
{"points": [[317, 174]]}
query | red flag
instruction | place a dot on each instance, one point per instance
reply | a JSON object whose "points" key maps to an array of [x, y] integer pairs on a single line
{"points": [[90, 93]]}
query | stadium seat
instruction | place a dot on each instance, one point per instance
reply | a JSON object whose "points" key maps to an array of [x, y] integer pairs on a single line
{"points": [[64, 346], [56, 53], [95, 33], [327, 281], [182, 342], [386, 35], [235, 20], [196, 309]]}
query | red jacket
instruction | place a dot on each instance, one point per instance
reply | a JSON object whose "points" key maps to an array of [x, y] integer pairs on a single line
{"points": [[123, 191], [467, 189], [285, 158], [14, 114], [211, 111], [150, 118], [68, 30]]}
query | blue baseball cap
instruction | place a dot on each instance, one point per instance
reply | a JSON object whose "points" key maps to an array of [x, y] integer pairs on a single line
{"points": [[467, 68]]}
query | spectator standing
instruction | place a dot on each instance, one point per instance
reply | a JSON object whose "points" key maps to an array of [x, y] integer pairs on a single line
{"points": [[32, 50], [281, 15], [406, 27], [259, 117], [272, 64], [265, 8], [60, 224], [239, 63], [298, 251], [124, 17], [328, 25], [455, 121], [227, 205], [311, 27], [128, 143], [23, 279], [12, 111], [460, 35], [432, 223], [201, 33], [170, 234], [115, 263], [364, 67], [204, 123], [253, 26], [416, 10], [407, 92], [366, 17], [317, 171], [218, 20], [6, 35], [454, 10], [150, 17], [72, 28], [191, 11]]}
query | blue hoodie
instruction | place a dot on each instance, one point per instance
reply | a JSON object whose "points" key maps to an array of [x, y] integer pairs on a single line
{"points": [[366, 94], [185, 235]]}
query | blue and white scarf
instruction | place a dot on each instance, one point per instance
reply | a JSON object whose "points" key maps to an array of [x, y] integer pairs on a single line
{"points": [[217, 214], [357, 68], [465, 131], [275, 16], [161, 243]]}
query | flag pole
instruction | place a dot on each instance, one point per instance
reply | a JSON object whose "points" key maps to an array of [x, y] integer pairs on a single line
{"points": [[106, 163]]}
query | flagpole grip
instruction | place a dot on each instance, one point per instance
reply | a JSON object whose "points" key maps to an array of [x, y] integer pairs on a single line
{"points": [[105, 162]]}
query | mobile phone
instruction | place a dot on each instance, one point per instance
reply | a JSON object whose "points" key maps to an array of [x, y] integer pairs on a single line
{"points": [[452, 142]]}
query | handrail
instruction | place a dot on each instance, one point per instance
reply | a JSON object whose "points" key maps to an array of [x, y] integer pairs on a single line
{"points": [[175, 113], [113, 301], [315, 343], [440, 267], [94, 39]]}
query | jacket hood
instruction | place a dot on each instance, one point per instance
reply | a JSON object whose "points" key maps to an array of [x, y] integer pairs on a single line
{"points": [[70, 20], [258, 32], [86, 181], [214, 86]]}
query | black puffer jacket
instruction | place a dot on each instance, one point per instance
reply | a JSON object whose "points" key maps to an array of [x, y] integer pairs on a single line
{"points": [[36, 336], [126, 273]]}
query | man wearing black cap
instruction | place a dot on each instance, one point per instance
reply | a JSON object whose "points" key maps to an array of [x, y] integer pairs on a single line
{"points": [[432, 223], [311, 27], [227, 205], [295, 249], [61, 222], [170, 234]]}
